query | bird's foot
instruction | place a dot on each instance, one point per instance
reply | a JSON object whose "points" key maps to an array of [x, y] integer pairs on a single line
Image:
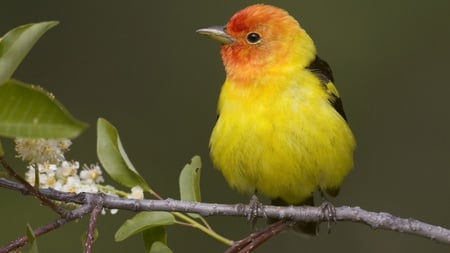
{"points": [[256, 209], [329, 213]]}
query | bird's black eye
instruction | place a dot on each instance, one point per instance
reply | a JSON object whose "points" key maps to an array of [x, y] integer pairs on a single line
{"points": [[253, 38]]}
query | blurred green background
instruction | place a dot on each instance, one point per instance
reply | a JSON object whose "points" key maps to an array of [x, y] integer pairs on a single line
{"points": [[141, 65]]}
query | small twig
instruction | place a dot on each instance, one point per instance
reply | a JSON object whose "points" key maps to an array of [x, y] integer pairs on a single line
{"points": [[73, 215], [32, 190], [252, 241], [20, 242], [92, 223], [268, 233]]}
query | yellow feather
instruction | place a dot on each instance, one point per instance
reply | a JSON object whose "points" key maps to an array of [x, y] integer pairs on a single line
{"points": [[285, 140]]}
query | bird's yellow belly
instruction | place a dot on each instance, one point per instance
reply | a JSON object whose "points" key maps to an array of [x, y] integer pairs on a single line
{"points": [[282, 150]]}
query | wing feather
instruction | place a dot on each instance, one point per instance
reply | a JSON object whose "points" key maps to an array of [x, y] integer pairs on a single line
{"points": [[323, 71]]}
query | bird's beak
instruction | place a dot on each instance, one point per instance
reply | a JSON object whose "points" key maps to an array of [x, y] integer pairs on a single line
{"points": [[217, 33]]}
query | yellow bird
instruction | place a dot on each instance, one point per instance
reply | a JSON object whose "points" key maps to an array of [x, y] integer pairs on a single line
{"points": [[281, 130]]}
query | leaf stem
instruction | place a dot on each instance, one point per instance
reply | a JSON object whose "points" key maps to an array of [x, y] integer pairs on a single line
{"points": [[107, 189], [206, 229]]}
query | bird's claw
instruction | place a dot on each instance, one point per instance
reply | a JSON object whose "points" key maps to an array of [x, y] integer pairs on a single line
{"points": [[256, 209], [329, 213]]}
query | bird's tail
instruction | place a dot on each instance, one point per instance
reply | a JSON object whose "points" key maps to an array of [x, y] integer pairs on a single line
{"points": [[306, 228]]}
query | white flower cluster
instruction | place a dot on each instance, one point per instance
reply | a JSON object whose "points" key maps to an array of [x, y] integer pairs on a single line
{"points": [[42, 151], [64, 176], [47, 161]]}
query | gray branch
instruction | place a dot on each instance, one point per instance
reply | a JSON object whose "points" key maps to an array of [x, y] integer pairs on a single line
{"points": [[376, 220]]}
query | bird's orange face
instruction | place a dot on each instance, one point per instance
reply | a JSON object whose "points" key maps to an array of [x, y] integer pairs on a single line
{"points": [[260, 40], [261, 35]]}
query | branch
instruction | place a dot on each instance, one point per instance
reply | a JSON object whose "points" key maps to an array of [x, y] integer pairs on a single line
{"points": [[375, 220], [252, 241], [74, 214], [19, 242], [90, 237], [31, 189]]}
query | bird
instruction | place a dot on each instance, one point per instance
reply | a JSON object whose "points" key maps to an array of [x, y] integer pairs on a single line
{"points": [[281, 128]]}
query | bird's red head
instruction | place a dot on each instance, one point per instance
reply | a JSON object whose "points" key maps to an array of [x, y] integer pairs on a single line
{"points": [[265, 39], [261, 40]]}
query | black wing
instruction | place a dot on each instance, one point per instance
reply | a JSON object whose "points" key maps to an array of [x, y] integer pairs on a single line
{"points": [[323, 71]]}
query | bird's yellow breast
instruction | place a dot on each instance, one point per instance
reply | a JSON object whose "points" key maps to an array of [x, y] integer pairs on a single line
{"points": [[281, 137]]}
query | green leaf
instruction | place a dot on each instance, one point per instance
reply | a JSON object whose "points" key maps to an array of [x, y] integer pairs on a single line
{"points": [[190, 183], [143, 221], [32, 240], [159, 247], [16, 44], [29, 111], [152, 235], [113, 158], [190, 180]]}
